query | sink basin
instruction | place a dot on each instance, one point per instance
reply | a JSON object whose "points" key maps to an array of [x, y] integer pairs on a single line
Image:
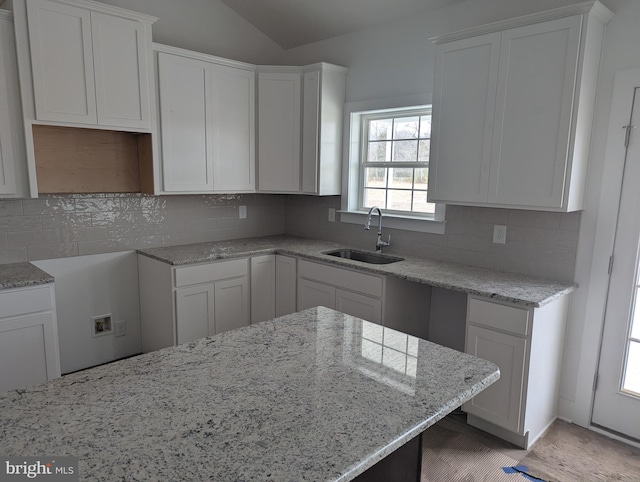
{"points": [[364, 256]]}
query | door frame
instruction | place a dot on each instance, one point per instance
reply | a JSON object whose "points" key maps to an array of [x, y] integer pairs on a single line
{"points": [[589, 303]]}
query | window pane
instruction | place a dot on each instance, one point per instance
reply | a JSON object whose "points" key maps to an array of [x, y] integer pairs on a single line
{"points": [[375, 177], [374, 197], [406, 128], [635, 323], [420, 204], [379, 151], [401, 178], [405, 151], [421, 178], [423, 151], [425, 126], [632, 374], [399, 200], [380, 130]]}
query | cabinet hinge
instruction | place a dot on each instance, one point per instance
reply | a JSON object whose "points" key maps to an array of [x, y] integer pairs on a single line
{"points": [[610, 264], [627, 134], [595, 382]]}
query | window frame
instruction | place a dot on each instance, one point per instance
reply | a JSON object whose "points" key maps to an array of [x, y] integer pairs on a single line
{"points": [[351, 212], [365, 120]]}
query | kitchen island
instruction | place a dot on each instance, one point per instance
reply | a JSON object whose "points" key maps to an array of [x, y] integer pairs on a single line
{"points": [[316, 395]]}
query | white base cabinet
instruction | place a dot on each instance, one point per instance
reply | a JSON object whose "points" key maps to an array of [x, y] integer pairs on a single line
{"points": [[527, 345], [28, 337], [182, 304], [513, 109], [286, 290], [263, 288]]}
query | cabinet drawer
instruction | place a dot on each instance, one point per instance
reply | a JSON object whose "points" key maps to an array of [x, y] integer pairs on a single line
{"points": [[500, 317], [341, 278], [22, 301], [203, 273]]}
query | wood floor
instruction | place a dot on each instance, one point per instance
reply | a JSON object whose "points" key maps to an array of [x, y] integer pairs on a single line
{"points": [[456, 452]]}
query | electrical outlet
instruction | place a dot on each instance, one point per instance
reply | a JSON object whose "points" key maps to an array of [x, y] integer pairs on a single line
{"points": [[499, 234], [332, 215], [121, 327], [101, 325], [242, 212]]}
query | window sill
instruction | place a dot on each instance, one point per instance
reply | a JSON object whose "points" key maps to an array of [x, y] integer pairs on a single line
{"points": [[394, 221]]}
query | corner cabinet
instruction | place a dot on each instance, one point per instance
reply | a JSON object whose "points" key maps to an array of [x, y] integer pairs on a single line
{"points": [[512, 110], [300, 111], [13, 158], [28, 337], [206, 116], [185, 303], [90, 63], [527, 345]]}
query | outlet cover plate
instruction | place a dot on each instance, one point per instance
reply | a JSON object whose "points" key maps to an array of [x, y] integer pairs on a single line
{"points": [[499, 234]]}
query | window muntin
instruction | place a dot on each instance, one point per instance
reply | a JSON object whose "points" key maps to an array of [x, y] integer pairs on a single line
{"points": [[395, 162]]}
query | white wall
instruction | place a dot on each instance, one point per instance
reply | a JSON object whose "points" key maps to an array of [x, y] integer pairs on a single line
{"points": [[207, 26], [88, 286], [397, 60]]}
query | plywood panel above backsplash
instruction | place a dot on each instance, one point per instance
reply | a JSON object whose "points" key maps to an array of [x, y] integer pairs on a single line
{"points": [[75, 160]]}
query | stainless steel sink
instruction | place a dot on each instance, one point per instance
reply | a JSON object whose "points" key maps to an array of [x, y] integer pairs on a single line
{"points": [[364, 256]]}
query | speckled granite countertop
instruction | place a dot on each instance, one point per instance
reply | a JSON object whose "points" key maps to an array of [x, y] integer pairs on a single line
{"points": [[500, 285], [17, 275], [302, 397]]}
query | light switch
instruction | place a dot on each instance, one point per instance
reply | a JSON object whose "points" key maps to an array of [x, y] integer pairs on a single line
{"points": [[332, 215], [242, 212]]}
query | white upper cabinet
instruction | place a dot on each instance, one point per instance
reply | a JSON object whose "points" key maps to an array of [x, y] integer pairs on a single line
{"points": [[279, 131], [90, 63], [13, 162], [300, 153], [206, 115], [512, 111]]}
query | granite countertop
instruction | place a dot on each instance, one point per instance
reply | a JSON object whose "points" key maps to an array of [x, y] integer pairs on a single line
{"points": [[18, 275], [303, 397], [500, 285]]}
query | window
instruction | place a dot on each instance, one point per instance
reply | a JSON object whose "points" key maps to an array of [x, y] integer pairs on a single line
{"points": [[394, 165], [387, 147]]}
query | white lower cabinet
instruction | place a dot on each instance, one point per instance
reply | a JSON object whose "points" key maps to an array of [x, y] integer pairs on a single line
{"points": [[527, 345], [28, 337], [286, 273], [263, 288], [344, 290], [182, 304]]}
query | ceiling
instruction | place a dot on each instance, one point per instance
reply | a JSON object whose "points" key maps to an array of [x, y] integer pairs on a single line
{"points": [[291, 23]]}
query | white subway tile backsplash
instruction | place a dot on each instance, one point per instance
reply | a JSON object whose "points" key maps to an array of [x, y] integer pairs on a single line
{"points": [[10, 224], [62, 220], [33, 238], [63, 250], [11, 208]]}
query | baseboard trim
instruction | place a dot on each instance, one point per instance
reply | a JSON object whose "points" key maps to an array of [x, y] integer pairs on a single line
{"points": [[521, 441]]}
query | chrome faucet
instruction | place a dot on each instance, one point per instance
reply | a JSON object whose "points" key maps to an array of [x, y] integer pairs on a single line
{"points": [[379, 242]]}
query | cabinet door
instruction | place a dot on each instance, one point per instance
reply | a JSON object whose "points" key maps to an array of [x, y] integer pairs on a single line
{"points": [[285, 285], [279, 132], [463, 109], [310, 132], [195, 313], [231, 304], [263, 288], [28, 351], [538, 65], [312, 294], [8, 158], [62, 62], [185, 106], [501, 403], [364, 307], [120, 55], [233, 121]]}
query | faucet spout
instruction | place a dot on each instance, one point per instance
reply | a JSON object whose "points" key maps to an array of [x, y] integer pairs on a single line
{"points": [[379, 242]]}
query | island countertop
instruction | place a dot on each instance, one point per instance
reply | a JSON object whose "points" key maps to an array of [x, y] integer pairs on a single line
{"points": [[500, 285], [316, 395]]}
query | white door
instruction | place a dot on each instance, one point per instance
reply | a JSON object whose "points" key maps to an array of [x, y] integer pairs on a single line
{"points": [[62, 62], [617, 397], [121, 74], [194, 312], [312, 294], [232, 304], [279, 119], [8, 159], [285, 285], [263, 288], [185, 130], [233, 121], [362, 306]]}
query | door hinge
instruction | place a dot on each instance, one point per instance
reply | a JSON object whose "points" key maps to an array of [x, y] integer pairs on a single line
{"points": [[627, 134], [610, 269], [595, 382]]}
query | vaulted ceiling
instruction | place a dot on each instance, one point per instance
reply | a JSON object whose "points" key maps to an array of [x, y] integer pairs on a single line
{"points": [[291, 23]]}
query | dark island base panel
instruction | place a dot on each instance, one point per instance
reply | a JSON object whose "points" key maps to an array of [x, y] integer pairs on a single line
{"points": [[403, 465]]}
